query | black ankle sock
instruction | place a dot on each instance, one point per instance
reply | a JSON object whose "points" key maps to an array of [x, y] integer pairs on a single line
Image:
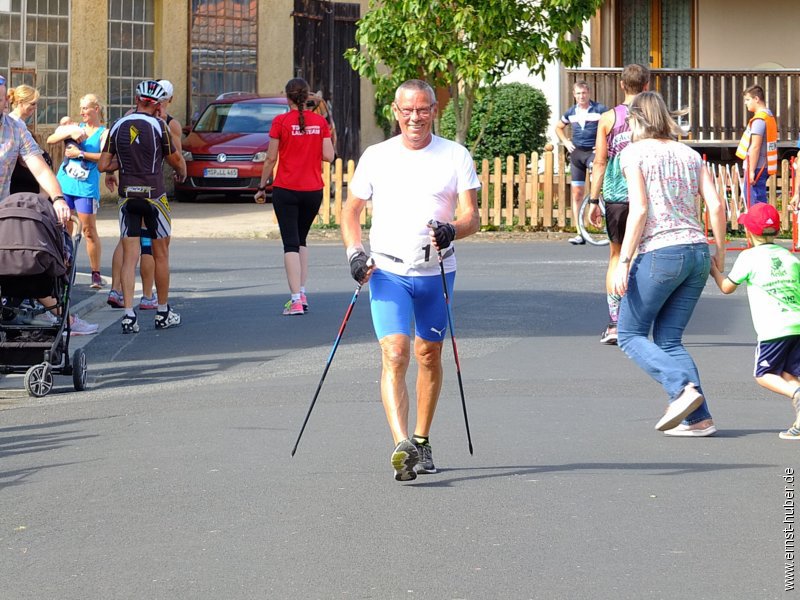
{"points": [[422, 440]]}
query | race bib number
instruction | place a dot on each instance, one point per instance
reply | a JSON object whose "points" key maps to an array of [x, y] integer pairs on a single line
{"points": [[425, 255], [76, 170]]}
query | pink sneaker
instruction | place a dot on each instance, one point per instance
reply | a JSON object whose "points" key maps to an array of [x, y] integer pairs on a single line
{"points": [[293, 308], [304, 301], [115, 299], [146, 303]]}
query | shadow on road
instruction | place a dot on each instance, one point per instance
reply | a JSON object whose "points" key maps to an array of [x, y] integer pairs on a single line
{"points": [[28, 439], [660, 468], [233, 328]]}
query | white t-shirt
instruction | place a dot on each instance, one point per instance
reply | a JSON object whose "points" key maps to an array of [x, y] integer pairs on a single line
{"points": [[408, 188], [671, 172]]}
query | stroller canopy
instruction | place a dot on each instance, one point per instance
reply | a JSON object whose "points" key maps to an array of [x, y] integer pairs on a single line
{"points": [[31, 239]]}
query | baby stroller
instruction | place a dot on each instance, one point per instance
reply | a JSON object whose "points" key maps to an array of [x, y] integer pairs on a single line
{"points": [[37, 263]]}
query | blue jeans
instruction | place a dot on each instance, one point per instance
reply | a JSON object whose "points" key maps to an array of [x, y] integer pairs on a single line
{"points": [[758, 191], [663, 288]]}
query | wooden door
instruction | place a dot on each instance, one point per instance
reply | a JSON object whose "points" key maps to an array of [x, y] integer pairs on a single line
{"points": [[322, 32]]}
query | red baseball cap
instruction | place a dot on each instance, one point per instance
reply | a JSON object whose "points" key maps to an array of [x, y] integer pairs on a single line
{"points": [[761, 219]]}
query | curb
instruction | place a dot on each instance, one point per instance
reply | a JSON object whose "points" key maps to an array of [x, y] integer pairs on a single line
{"points": [[89, 304]]}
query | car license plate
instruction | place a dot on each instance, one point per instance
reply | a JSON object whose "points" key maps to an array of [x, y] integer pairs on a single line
{"points": [[220, 172]]}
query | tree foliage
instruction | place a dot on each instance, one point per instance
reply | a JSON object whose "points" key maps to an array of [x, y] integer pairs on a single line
{"points": [[507, 120], [462, 45]]}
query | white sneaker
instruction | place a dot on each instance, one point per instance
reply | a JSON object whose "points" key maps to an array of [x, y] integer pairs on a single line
{"points": [[81, 327], [45, 319], [683, 405], [577, 240]]}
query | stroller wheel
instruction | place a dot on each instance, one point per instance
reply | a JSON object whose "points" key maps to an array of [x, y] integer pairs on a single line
{"points": [[39, 380], [79, 370]]}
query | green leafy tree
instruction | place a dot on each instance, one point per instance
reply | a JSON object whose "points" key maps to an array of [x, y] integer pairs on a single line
{"points": [[507, 120], [463, 45]]}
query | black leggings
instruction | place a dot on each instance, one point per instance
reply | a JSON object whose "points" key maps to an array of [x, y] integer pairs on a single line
{"points": [[296, 212]]}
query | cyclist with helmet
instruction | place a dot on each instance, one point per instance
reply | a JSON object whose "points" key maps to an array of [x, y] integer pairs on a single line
{"points": [[136, 146], [148, 300]]}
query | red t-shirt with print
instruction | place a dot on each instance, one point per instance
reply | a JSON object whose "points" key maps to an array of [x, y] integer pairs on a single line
{"points": [[299, 153]]}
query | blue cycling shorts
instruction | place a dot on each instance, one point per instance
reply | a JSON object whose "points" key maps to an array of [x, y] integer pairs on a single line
{"points": [[395, 299], [85, 206]]}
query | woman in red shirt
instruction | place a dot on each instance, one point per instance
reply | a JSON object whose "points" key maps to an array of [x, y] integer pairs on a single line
{"points": [[302, 139]]}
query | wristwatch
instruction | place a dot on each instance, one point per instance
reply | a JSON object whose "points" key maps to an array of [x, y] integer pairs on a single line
{"points": [[81, 156], [594, 200], [58, 198]]}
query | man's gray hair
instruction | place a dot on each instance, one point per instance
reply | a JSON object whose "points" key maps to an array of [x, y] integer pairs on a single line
{"points": [[416, 85]]}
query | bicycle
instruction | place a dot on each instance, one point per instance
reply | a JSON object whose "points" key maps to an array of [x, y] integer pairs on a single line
{"points": [[594, 235]]}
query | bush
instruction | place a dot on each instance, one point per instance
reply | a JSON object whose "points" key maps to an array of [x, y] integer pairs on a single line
{"points": [[514, 118]]}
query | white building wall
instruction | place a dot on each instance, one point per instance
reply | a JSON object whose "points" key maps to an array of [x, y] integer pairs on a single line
{"points": [[550, 84]]}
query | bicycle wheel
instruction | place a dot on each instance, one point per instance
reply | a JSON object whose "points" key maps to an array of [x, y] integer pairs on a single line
{"points": [[596, 236]]}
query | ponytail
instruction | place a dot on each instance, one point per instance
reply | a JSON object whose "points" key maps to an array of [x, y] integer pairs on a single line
{"points": [[297, 92]]}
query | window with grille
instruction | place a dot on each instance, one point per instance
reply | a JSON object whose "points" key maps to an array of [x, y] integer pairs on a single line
{"points": [[34, 43], [131, 25], [224, 45]]}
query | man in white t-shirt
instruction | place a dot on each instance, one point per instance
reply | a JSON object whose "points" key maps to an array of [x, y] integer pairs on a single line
{"points": [[412, 179]]}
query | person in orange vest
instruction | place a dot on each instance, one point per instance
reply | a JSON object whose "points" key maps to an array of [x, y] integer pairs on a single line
{"points": [[794, 203], [759, 144]]}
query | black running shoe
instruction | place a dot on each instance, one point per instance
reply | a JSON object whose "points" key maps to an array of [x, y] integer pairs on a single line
{"points": [[129, 324], [404, 457], [168, 318], [425, 465]]}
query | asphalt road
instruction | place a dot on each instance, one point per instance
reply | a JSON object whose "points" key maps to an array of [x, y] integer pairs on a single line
{"points": [[171, 478]]}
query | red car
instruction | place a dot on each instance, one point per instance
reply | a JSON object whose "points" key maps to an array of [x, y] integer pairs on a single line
{"points": [[226, 148]]}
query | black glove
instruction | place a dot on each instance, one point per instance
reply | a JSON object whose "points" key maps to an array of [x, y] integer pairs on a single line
{"points": [[359, 266], [444, 233]]}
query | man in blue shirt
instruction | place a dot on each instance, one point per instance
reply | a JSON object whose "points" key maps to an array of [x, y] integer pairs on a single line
{"points": [[582, 118]]}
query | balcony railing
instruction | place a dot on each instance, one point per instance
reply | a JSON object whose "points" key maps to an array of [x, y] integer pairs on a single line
{"points": [[717, 114]]}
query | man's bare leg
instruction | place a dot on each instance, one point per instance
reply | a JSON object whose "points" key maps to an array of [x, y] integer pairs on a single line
{"points": [[116, 268], [396, 354], [161, 258], [130, 258], [577, 198], [147, 270], [429, 383]]}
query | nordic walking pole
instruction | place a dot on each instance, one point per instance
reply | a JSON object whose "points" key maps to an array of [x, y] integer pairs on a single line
{"points": [[328, 364], [453, 339]]}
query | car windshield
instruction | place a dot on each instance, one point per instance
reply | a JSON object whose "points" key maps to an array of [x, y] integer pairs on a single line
{"points": [[240, 117]]}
